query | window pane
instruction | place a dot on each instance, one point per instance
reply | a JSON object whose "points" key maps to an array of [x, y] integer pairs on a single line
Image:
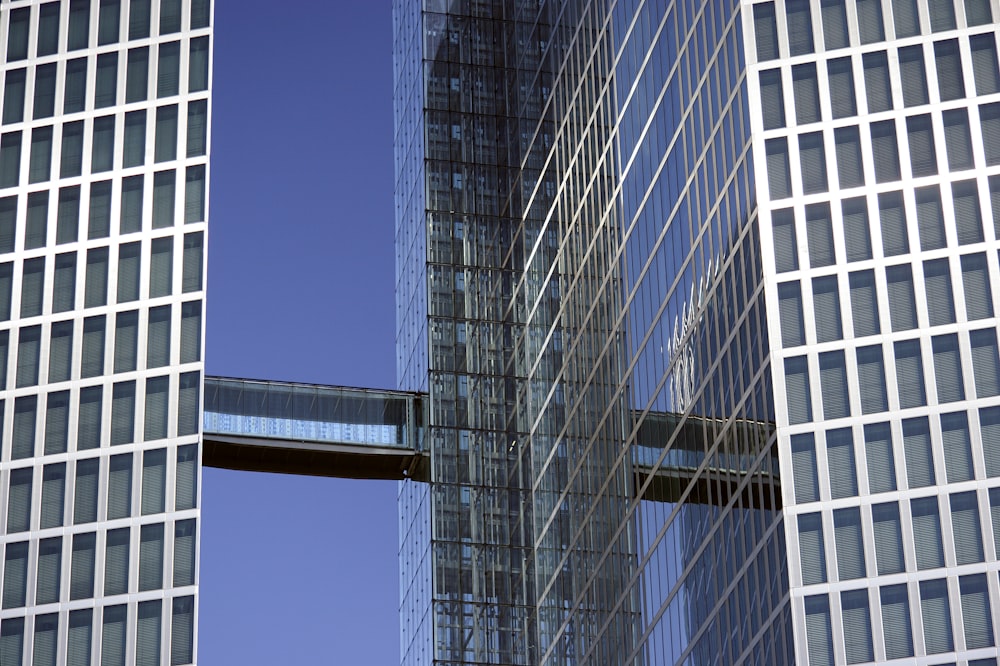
{"points": [[936, 613], [913, 75], [880, 458], [857, 237], [927, 533], [826, 308], [811, 551], [957, 447], [917, 448]]}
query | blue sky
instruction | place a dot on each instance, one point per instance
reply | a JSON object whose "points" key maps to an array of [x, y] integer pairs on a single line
{"points": [[293, 569]]}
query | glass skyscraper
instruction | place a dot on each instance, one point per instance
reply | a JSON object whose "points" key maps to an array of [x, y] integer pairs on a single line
{"points": [[696, 333]]}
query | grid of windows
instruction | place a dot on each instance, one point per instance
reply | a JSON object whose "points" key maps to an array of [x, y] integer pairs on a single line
{"points": [[103, 188], [904, 120]]}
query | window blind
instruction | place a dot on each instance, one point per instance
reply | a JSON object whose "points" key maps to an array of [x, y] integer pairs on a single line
{"points": [[28, 351], [850, 543], [49, 566], [920, 135], [790, 311], [201, 15], [182, 631], [927, 533], [936, 613], [976, 281], [134, 150], [968, 217], [917, 448], [126, 340], [949, 67], [78, 640], [166, 133], [194, 193], [804, 471], [46, 639], [198, 65], [32, 287], [193, 260], [17, 34], [896, 628], [948, 368], [826, 308], [137, 75], [187, 404], [64, 289], [75, 89], [880, 458], [138, 19], [36, 223], [805, 88], [113, 633], [170, 16], [85, 491], [15, 82], [154, 480], [902, 302], [8, 223], [977, 12], [771, 97], [120, 487], [60, 352], [40, 162], [79, 24], [131, 209], [976, 613], [840, 458], [834, 15], [164, 194], [984, 64], [187, 477], [45, 94], [151, 557], [184, 552], [797, 390], [850, 170], [6, 286], [778, 170], [799, 22], [812, 159], [12, 631], [158, 341], [841, 81], [905, 18], [913, 76], [893, 222], [857, 238], [957, 447], [811, 549], [168, 69], [15, 575], [857, 626], [116, 562], [53, 496], [930, 218], [871, 380], [123, 413], [147, 643], [785, 246], [937, 286], [103, 148], [19, 500], [989, 122], [92, 363], [864, 303], [129, 256], [25, 418], [48, 29], [819, 639], [89, 418], [10, 159], [191, 332], [965, 528], [870, 21], [985, 362]]}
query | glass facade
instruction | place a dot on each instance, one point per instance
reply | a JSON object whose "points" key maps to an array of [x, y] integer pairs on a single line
{"points": [[103, 196]]}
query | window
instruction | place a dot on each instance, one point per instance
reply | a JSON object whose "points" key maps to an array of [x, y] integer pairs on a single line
{"points": [[870, 22], [68, 214], [197, 127], [885, 151], [191, 332], [790, 307], [147, 641], [198, 65], [778, 170], [806, 89], [79, 24], [10, 159], [71, 162], [85, 500], [194, 193], [902, 304], [36, 224], [168, 74], [161, 268], [799, 18], [850, 544], [164, 194], [48, 29], [123, 413], [949, 69], [201, 14], [99, 225], [131, 208], [957, 447], [976, 614], [170, 16], [17, 34], [75, 90], [841, 80], [936, 613], [81, 578], [905, 18], [182, 626], [120, 487], [49, 565], [989, 120], [850, 169], [103, 150], [927, 533], [957, 139], [128, 271], [797, 390], [965, 527], [985, 362], [113, 630], [917, 448], [45, 92], [948, 368], [28, 352], [976, 282], [106, 84], [811, 550], [126, 340], [896, 622], [13, 102], [937, 285], [804, 468], [968, 216], [942, 15], [840, 458], [8, 223], [819, 230], [819, 638], [913, 75], [15, 575], [857, 238], [772, 103], [92, 364], [766, 31], [193, 259], [785, 246], [880, 458], [977, 12], [857, 626], [19, 500], [834, 15], [151, 557], [166, 133], [833, 381], [930, 218], [89, 419], [108, 26], [826, 308], [134, 152], [116, 562], [138, 19], [157, 401], [812, 158], [871, 380], [920, 134], [187, 479], [56, 424], [984, 64], [187, 404]]}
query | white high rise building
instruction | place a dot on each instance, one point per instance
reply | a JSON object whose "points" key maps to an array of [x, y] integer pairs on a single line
{"points": [[103, 197]]}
